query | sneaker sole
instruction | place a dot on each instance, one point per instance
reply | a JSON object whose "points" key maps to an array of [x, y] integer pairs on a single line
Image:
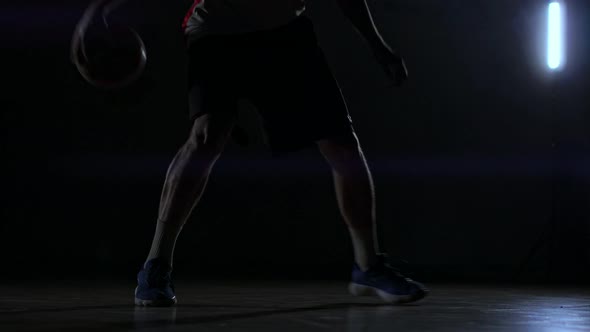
{"points": [[363, 290], [155, 303]]}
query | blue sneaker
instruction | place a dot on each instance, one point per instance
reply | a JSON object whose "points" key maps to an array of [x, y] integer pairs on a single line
{"points": [[384, 281], [154, 284]]}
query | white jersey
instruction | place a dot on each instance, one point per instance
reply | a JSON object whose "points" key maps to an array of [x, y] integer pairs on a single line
{"points": [[239, 16]]}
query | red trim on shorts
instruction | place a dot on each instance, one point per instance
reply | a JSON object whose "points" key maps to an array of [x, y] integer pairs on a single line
{"points": [[190, 13]]}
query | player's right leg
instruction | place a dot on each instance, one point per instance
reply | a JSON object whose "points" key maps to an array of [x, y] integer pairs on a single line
{"points": [[184, 185], [212, 71]]}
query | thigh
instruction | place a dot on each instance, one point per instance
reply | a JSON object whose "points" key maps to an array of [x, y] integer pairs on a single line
{"points": [[303, 103], [211, 77], [210, 133], [297, 95]]}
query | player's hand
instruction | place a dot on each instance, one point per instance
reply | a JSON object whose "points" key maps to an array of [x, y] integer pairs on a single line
{"points": [[392, 63]]}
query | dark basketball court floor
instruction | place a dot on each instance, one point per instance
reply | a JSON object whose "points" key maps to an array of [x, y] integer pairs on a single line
{"points": [[290, 306]]}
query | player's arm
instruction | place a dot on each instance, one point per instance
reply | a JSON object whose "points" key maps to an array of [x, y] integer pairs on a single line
{"points": [[358, 12]]}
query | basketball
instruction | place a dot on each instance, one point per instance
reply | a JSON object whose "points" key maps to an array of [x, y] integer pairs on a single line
{"points": [[109, 56]]}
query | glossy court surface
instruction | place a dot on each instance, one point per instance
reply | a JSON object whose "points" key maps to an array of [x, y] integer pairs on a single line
{"points": [[290, 306]]}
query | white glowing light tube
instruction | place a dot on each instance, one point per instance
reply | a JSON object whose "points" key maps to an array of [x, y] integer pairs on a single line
{"points": [[555, 42]]}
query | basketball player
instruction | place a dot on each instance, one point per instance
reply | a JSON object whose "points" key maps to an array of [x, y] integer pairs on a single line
{"points": [[266, 51]]}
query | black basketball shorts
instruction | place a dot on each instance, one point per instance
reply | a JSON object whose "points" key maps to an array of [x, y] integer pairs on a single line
{"points": [[282, 72]]}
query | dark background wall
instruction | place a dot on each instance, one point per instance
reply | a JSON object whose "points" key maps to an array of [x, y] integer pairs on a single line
{"points": [[467, 179]]}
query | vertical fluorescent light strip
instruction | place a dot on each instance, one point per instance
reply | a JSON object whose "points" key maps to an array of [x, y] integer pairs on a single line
{"points": [[554, 36]]}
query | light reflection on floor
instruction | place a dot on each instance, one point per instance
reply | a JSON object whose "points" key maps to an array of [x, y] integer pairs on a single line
{"points": [[291, 306]]}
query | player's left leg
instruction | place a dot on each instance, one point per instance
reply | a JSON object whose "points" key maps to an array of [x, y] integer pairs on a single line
{"points": [[354, 192], [356, 199], [301, 104]]}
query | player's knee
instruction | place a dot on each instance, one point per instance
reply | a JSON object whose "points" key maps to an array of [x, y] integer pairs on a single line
{"points": [[204, 145], [343, 153], [208, 136]]}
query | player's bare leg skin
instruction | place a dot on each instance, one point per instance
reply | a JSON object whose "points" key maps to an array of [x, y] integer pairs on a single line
{"points": [[185, 182], [356, 198], [189, 171], [188, 174], [354, 192]]}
